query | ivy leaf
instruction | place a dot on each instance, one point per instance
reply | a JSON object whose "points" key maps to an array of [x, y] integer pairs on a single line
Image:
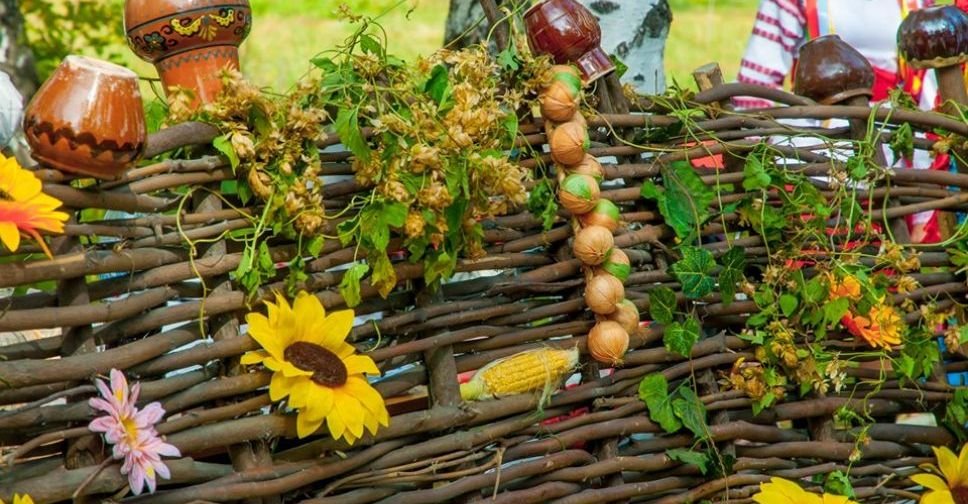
{"points": [[349, 286], [683, 201], [680, 338], [814, 291], [438, 85], [755, 176], [835, 310], [692, 412], [857, 168], [693, 271], [348, 129], [734, 258], [439, 266], [687, 456], [370, 45], [902, 143], [662, 305], [734, 262], [789, 304], [315, 246], [654, 392], [839, 483], [223, 145], [508, 59]]}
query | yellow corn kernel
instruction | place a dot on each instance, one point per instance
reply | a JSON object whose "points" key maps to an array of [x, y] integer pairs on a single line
{"points": [[528, 371]]}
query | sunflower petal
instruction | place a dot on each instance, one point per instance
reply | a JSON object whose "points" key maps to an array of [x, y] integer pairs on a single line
{"points": [[962, 468], [938, 497], [306, 426], [266, 335], [358, 364], [947, 462], [320, 404], [368, 397], [334, 421], [254, 357], [351, 411], [299, 397], [280, 386], [336, 327], [308, 311], [930, 481], [292, 371]]}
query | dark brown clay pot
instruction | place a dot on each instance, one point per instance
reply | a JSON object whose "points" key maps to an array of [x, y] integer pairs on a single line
{"points": [[190, 42], [87, 118], [830, 71], [569, 33], [934, 37]]}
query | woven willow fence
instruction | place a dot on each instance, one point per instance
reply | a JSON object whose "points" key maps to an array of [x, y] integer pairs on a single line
{"points": [[155, 297]]}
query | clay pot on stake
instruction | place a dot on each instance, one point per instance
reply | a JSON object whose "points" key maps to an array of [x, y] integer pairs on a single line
{"points": [[937, 37], [87, 118], [831, 72], [569, 33], [190, 42]]}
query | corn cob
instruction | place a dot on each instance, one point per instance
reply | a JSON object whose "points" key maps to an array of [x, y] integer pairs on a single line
{"points": [[528, 371]]}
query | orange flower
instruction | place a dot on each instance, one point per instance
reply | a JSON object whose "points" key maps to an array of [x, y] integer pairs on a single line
{"points": [[24, 208], [847, 287], [880, 328]]}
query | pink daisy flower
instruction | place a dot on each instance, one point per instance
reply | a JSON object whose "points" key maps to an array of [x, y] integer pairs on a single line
{"points": [[132, 432]]}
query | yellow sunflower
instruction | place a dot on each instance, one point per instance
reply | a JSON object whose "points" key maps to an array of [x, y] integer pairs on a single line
{"points": [[951, 487], [781, 491], [20, 499], [316, 368], [24, 208]]}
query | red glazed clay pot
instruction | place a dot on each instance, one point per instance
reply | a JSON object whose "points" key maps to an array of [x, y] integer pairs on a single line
{"points": [[87, 118], [189, 41], [569, 33]]}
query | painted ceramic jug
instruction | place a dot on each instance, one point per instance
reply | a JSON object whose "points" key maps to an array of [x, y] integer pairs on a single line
{"points": [[831, 71], [190, 42], [568, 32], [87, 118]]}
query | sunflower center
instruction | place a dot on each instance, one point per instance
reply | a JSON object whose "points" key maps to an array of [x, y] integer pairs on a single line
{"points": [[960, 494], [328, 369]]}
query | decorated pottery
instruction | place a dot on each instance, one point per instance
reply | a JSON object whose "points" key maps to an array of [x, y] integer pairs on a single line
{"points": [[569, 33], [830, 71], [190, 42], [934, 37], [88, 118]]}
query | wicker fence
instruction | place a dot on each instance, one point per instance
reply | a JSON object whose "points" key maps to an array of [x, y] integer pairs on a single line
{"points": [[154, 296]]}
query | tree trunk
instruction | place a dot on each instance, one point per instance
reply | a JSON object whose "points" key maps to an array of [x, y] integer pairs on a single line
{"points": [[16, 60], [633, 30]]}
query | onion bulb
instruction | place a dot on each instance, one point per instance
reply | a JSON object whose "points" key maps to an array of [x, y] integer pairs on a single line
{"points": [[569, 76], [589, 166], [616, 264], [605, 214], [593, 245], [607, 342], [579, 194], [569, 142], [558, 104], [603, 294], [627, 315]]}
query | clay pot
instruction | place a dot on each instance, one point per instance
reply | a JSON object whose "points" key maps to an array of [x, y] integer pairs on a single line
{"points": [[830, 71], [569, 33], [190, 42], [88, 118]]}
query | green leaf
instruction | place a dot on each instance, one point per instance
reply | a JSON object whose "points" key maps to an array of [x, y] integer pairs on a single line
{"points": [[857, 168], [835, 310], [693, 271], [692, 412], [223, 145], [734, 262], [687, 456], [370, 45], [734, 258], [439, 266], [543, 204], [348, 129], [654, 392], [662, 305], [324, 64], [815, 291], [265, 258], [349, 286], [680, 338], [620, 69], [788, 304], [902, 143], [683, 201], [315, 246], [508, 59], [438, 85], [755, 177], [376, 220], [156, 112], [510, 124], [838, 483], [617, 270]]}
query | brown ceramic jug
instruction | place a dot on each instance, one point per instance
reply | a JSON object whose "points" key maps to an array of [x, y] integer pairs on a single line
{"points": [[569, 33], [88, 118], [190, 42], [831, 71]]}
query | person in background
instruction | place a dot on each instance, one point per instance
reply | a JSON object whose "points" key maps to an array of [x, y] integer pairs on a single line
{"points": [[11, 109], [870, 26]]}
